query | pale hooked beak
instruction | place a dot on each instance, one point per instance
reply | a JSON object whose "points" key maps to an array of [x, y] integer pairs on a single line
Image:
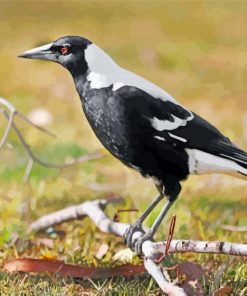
{"points": [[42, 53]]}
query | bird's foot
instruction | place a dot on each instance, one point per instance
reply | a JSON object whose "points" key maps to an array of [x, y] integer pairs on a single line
{"points": [[139, 242], [128, 236], [136, 244]]}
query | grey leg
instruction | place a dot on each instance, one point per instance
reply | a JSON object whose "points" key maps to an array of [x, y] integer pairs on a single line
{"points": [[161, 216], [137, 226], [172, 190], [157, 199], [150, 234]]}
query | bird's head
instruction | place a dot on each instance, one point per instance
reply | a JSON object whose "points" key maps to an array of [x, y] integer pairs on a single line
{"points": [[68, 51]]}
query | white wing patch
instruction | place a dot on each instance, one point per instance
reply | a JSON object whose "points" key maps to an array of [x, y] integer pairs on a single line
{"points": [[97, 80], [160, 138], [177, 137], [104, 72], [200, 162], [171, 135], [161, 125]]}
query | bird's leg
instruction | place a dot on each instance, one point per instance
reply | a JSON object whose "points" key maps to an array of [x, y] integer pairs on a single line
{"points": [[137, 226], [171, 196], [160, 217], [150, 234]]}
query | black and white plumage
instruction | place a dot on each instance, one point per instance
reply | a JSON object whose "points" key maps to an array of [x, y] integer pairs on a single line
{"points": [[140, 123]]}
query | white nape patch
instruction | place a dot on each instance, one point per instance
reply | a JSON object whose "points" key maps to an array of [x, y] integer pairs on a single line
{"points": [[205, 163], [160, 138], [177, 137], [117, 85], [97, 80], [109, 73], [38, 49], [98, 61], [161, 125]]}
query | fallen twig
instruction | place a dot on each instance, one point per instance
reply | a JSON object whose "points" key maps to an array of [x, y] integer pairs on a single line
{"points": [[95, 210], [116, 215], [234, 228], [169, 239], [152, 250], [170, 234]]}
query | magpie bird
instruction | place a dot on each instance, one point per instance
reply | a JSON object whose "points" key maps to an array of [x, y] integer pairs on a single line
{"points": [[142, 125]]}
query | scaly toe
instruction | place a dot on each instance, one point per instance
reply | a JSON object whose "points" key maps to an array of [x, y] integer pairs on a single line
{"points": [[140, 241], [128, 236]]}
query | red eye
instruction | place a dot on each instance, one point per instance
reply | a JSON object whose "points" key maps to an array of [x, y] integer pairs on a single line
{"points": [[64, 50]]}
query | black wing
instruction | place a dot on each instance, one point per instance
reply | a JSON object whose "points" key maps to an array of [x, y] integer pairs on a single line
{"points": [[170, 122]]}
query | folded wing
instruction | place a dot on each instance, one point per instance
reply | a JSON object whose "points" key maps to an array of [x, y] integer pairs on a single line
{"points": [[209, 151]]}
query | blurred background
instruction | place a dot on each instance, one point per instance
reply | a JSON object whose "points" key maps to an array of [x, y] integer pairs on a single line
{"points": [[194, 50]]}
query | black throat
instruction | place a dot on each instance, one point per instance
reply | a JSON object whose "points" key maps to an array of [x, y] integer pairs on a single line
{"points": [[81, 83]]}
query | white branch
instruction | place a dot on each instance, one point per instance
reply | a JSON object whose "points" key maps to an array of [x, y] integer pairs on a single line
{"points": [[152, 250]]}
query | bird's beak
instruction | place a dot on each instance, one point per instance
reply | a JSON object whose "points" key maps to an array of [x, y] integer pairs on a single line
{"points": [[42, 53]]}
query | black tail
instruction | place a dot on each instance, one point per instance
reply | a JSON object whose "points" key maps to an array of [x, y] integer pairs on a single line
{"points": [[229, 151], [234, 153]]}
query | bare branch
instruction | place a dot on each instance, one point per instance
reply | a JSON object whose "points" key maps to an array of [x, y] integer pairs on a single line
{"points": [[152, 250], [42, 129], [7, 105], [12, 110], [8, 128], [85, 158], [95, 210], [32, 157], [155, 271], [234, 228]]}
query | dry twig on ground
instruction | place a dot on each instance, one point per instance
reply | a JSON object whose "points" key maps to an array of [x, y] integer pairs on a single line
{"points": [[152, 250]]}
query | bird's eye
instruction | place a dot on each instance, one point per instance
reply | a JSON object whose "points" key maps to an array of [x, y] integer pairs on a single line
{"points": [[64, 50]]}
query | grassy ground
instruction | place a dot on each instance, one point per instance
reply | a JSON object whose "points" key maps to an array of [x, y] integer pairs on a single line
{"points": [[197, 52]]}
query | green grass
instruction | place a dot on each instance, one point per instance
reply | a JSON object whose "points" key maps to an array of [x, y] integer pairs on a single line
{"points": [[197, 52]]}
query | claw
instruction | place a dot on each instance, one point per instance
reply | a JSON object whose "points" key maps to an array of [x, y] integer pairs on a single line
{"points": [[140, 241], [128, 236]]}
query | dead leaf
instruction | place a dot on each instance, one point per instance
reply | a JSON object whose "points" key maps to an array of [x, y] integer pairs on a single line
{"points": [[191, 270], [189, 290], [102, 251], [77, 289], [208, 267], [218, 275], [223, 291], [124, 255], [193, 288], [46, 242], [64, 270], [48, 255]]}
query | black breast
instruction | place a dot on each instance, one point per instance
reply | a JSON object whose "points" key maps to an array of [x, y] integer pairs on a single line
{"points": [[120, 124]]}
